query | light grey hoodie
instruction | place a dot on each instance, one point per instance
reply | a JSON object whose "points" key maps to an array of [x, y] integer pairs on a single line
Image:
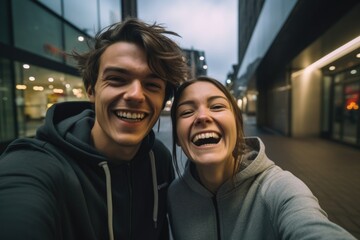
{"points": [[264, 202]]}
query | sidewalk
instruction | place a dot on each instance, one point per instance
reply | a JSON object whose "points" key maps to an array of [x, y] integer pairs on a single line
{"points": [[331, 170]]}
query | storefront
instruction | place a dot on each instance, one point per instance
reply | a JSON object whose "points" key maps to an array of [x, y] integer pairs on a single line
{"points": [[341, 100], [36, 69]]}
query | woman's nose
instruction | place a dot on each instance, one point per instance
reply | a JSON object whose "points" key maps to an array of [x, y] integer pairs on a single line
{"points": [[203, 116]]}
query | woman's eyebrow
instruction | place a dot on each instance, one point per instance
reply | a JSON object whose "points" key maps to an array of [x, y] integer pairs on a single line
{"points": [[192, 102], [188, 102]]}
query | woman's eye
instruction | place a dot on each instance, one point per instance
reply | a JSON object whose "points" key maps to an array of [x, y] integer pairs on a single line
{"points": [[185, 113], [217, 106]]}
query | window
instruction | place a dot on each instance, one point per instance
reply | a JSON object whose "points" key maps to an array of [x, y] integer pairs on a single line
{"points": [[83, 14], [37, 31], [7, 114]]}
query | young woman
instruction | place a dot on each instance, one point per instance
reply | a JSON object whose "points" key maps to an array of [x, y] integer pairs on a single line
{"points": [[230, 189]]}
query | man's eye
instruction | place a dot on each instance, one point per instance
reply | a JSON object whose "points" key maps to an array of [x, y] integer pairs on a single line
{"points": [[154, 85], [115, 79]]}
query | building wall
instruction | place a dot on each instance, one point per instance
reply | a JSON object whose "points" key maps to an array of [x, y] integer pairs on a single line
{"points": [[249, 11], [306, 104]]}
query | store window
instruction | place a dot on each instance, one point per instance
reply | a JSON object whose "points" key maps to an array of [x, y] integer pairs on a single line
{"points": [[37, 31], [37, 89], [88, 21], [4, 22], [346, 110], [7, 111]]}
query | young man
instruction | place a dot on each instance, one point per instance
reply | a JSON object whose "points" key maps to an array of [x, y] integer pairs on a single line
{"points": [[94, 169]]}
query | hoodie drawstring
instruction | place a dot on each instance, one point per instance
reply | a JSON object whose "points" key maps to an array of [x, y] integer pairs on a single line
{"points": [[155, 188], [109, 203], [105, 166]]}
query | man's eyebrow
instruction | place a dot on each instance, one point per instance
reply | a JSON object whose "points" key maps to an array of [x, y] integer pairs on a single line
{"points": [[116, 69], [127, 72]]}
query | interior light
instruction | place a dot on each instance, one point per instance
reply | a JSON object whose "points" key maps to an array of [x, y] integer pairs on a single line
{"points": [[81, 38], [358, 55], [20, 87], [50, 79], [26, 66], [38, 88], [31, 78], [205, 67], [332, 68], [58, 90], [353, 71], [201, 58]]}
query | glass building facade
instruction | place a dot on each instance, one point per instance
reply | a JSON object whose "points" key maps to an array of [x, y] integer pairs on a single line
{"points": [[35, 68]]}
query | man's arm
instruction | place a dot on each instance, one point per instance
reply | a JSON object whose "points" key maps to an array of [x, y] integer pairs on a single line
{"points": [[28, 208]]}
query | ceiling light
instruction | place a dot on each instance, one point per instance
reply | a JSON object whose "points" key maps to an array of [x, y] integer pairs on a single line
{"points": [[332, 56]]}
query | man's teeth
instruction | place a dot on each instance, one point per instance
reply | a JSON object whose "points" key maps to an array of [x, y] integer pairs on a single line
{"points": [[205, 136], [136, 116]]}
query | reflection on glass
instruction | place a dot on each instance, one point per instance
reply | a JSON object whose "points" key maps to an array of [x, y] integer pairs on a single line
{"points": [[53, 5], [74, 40], [351, 112], [37, 31], [87, 21], [7, 121], [337, 112]]}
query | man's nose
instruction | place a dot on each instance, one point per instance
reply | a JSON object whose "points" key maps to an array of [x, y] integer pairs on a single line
{"points": [[134, 92]]}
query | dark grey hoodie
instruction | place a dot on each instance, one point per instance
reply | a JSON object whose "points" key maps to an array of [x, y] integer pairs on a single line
{"points": [[261, 202], [58, 186]]}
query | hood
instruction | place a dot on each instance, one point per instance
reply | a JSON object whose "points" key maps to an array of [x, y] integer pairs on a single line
{"points": [[68, 125], [255, 160]]}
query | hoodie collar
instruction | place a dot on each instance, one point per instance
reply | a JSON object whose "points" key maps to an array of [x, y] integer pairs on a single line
{"points": [[68, 125]]}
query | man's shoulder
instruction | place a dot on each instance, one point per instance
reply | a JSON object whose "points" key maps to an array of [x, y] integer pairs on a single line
{"points": [[34, 154]]}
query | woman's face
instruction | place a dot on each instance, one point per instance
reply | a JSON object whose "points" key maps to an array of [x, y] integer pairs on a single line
{"points": [[205, 124]]}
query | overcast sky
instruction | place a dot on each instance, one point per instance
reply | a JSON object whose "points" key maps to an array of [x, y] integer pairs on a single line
{"points": [[206, 25]]}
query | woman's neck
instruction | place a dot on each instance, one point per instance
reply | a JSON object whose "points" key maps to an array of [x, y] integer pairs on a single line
{"points": [[213, 176]]}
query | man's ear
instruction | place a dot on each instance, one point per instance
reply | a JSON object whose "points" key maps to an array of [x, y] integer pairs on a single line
{"points": [[91, 94]]}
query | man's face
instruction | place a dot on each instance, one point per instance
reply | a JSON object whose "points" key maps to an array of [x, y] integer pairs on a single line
{"points": [[128, 100]]}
